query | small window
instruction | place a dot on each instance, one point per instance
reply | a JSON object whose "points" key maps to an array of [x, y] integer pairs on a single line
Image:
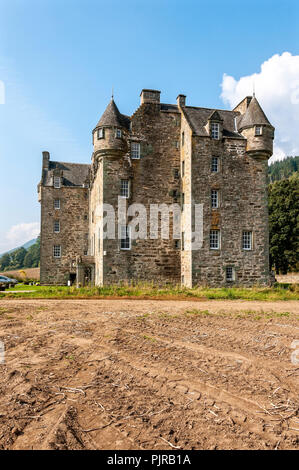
{"points": [[183, 200], [56, 203], [124, 188], [230, 273], [135, 150], [215, 130], [214, 239], [214, 199], [56, 226], [183, 241], [101, 133], [176, 173], [85, 252], [92, 217], [57, 182], [177, 144], [57, 251], [183, 139], [247, 240], [118, 133], [183, 168], [183, 279], [177, 244], [215, 164], [258, 130], [125, 237]]}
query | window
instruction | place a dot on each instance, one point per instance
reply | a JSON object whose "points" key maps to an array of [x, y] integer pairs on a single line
{"points": [[85, 252], [57, 251], [56, 226], [92, 217], [56, 203], [176, 173], [118, 133], [247, 240], [177, 244], [215, 164], [125, 237], [183, 168], [135, 150], [101, 133], [215, 239], [215, 130], [258, 130], [183, 138], [177, 144], [230, 273], [183, 241], [183, 200], [183, 279], [214, 198], [124, 188], [57, 182]]}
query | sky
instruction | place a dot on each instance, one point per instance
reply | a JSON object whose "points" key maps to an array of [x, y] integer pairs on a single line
{"points": [[59, 60]]}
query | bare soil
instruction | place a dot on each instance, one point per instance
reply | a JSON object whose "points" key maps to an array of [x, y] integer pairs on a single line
{"points": [[121, 374]]}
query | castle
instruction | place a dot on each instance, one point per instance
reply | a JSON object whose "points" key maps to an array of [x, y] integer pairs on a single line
{"points": [[164, 155]]}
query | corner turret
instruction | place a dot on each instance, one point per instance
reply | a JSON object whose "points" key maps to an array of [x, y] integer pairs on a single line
{"points": [[109, 136], [254, 125]]}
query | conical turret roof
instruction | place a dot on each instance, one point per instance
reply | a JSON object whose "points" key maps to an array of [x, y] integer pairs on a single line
{"points": [[253, 116], [112, 117]]}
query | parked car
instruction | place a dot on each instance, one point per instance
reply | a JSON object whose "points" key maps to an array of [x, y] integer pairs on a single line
{"points": [[6, 282]]}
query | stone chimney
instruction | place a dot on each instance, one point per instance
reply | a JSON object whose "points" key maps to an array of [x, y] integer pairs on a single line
{"points": [[181, 100], [46, 158], [150, 96]]}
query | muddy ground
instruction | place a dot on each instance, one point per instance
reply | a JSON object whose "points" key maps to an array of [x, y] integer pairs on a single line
{"points": [[112, 374]]}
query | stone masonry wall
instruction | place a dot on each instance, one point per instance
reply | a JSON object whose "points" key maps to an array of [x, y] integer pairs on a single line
{"points": [[242, 185], [73, 236]]}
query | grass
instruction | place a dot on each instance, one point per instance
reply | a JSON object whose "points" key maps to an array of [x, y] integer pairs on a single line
{"points": [[148, 291]]}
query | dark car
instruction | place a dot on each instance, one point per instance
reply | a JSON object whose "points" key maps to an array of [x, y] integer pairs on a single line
{"points": [[6, 282]]}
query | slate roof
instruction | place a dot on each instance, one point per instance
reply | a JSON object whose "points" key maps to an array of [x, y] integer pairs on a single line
{"points": [[112, 117], [198, 118], [74, 174], [253, 116]]}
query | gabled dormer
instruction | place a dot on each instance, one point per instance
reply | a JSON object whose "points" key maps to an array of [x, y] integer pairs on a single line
{"points": [[214, 126]]}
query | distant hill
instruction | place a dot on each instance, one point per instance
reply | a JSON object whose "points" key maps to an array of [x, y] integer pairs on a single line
{"points": [[26, 256], [26, 246]]}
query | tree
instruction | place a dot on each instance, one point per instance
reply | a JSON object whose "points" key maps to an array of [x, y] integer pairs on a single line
{"points": [[28, 260], [4, 261], [17, 257], [284, 224]]}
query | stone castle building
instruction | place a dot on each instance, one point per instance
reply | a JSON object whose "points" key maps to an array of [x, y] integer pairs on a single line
{"points": [[162, 154]]}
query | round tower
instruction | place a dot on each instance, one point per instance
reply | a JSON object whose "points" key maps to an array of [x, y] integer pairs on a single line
{"points": [[110, 134], [258, 131]]}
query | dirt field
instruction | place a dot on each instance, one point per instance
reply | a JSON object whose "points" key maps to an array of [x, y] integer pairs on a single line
{"points": [[114, 374]]}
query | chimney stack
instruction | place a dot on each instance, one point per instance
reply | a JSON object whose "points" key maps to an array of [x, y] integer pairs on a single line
{"points": [[150, 96], [46, 158], [181, 100]]}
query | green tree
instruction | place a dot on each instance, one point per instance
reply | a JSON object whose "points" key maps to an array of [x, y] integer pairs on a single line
{"points": [[28, 260], [4, 261], [17, 257], [284, 224]]}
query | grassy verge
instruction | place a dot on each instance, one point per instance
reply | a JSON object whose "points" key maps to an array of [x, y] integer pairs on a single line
{"points": [[142, 291]]}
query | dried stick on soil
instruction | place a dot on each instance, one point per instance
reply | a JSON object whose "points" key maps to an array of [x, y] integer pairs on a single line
{"points": [[169, 443]]}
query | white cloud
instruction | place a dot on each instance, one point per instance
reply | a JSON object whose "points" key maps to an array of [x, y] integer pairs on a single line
{"points": [[19, 234], [277, 90]]}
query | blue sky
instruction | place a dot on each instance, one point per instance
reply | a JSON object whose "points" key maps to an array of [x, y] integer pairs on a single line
{"points": [[60, 59]]}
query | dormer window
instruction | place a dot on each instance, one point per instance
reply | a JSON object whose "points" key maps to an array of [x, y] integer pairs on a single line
{"points": [[57, 182], [215, 130], [118, 133], [101, 133], [258, 130]]}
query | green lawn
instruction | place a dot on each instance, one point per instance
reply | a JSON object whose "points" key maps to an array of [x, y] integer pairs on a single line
{"points": [[279, 292]]}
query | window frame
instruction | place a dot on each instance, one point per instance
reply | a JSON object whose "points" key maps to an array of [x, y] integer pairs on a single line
{"points": [[213, 193], [211, 239], [135, 152], [56, 224], [56, 182], [125, 194], [233, 274], [101, 133], [257, 134], [55, 247], [244, 235], [217, 159], [57, 207], [118, 133], [213, 133], [126, 239]]}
